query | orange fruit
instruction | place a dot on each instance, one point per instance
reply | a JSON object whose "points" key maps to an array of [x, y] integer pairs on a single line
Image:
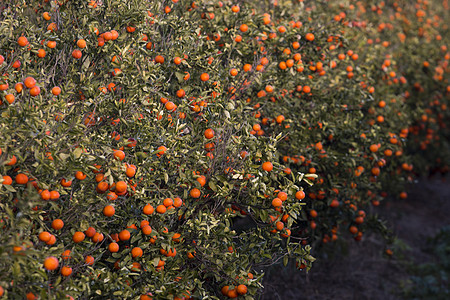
{"points": [[194, 193], [22, 41], [21, 179], [267, 166], [204, 77], [41, 53], [121, 186], [241, 289], [57, 224], [136, 252], [46, 16], [276, 202], [161, 209], [209, 133], [119, 155], [7, 180], [66, 254], [44, 236], [109, 211], [373, 148], [81, 43], [80, 175], [300, 195], [113, 247], [29, 82], [309, 37], [124, 235], [148, 209], [51, 263], [56, 90], [89, 260], [34, 91], [76, 54], [177, 60], [177, 202], [18, 87], [78, 237], [66, 271], [146, 229], [167, 202]]}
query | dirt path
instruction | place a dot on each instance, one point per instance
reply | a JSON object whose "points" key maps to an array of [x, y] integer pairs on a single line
{"points": [[364, 273]]}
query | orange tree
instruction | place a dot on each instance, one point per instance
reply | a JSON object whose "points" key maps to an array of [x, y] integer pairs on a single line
{"points": [[137, 133], [342, 84], [126, 155]]}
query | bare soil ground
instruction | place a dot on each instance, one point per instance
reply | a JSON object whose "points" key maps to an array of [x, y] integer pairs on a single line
{"points": [[361, 271]]}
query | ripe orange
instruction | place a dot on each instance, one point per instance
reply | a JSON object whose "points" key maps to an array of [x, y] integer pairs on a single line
{"points": [[21, 179], [119, 155], [276, 202], [300, 195], [124, 235], [79, 175], [89, 260], [51, 263], [46, 16], [57, 224], [167, 202], [76, 54], [66, 271], [113, 247], [170, 106], [209, 133], [78, 237], [81, 43], [136, 252], [121, 186], [18, 87], [241, 289], [45, 195], [109, 211], [7, 180], [22, 41], [41, 53], [309, 37], [194, 193], [204, 77], [161, 209], [34, 91], [177, 60], [146, 229], [232, 294], [267, 166], [159, 59], [66, 254], [51, 44], [148, 209], [177, 202], [29, 82], [44, 236], [56, 90], [98, 237], [233, 72]]}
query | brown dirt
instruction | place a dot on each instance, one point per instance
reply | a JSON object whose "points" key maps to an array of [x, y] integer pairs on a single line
{"points": [[363, 272]]}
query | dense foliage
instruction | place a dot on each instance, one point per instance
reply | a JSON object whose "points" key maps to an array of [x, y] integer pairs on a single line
{"points": [[172, 149]]}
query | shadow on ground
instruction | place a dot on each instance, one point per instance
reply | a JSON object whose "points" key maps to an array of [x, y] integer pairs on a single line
{"points": [[364, 272]]}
